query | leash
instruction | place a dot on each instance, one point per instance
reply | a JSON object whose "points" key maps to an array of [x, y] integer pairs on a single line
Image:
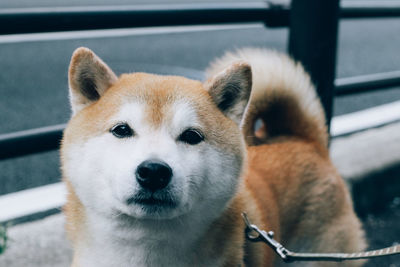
{"points": [[289, 256]]}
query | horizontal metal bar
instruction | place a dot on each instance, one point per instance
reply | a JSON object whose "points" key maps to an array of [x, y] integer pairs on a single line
{"points": [[369, 9], [88, 18], [31, 20], [30, 141], [365, 83]]}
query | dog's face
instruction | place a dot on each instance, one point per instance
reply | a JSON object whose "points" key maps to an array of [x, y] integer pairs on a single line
{"points": [[154, 147]]}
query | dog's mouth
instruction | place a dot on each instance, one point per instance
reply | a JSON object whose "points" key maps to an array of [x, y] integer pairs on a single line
{"points": [[153, 200]]}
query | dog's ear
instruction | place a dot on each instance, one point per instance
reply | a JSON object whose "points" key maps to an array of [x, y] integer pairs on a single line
{"points": [[89, 77], [230, 90]]}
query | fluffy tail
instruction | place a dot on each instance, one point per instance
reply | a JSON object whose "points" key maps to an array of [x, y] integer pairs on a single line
{"points": [[283, 98]]}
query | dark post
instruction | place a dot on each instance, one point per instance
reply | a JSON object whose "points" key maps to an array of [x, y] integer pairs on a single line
{"points": [[313, 41]]}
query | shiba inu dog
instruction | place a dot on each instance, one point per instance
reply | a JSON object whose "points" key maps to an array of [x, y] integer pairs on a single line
{"points": [[160, 168]]}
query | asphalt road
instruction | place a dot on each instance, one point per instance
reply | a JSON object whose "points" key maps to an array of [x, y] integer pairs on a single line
{"points": [[33, 74]]}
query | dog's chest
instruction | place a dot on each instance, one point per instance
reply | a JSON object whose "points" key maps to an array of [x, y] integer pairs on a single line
{"points": [[143, 255], [142, 248]]}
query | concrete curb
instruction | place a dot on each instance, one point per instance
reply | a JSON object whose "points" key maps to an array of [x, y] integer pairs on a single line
{"points": [[370, 162]]}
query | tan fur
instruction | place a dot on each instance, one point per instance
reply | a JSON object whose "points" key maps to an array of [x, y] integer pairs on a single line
{"points": [[75, 220], [289, 184]]}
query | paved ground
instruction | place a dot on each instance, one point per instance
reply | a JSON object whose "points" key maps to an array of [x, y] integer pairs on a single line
{"points": [[383, 230]]}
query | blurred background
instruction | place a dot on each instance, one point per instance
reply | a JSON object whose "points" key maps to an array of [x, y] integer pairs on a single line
{"points": [[34, 89]]}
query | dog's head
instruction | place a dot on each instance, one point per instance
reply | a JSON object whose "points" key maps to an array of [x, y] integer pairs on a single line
{"points": [[152, 146]]}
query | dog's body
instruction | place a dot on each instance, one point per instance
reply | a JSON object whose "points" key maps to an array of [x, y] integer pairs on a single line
{"points": [[187, 211]]}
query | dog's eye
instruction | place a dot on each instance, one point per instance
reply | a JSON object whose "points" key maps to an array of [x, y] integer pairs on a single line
{"points": [[122, 130], [191, 137]]}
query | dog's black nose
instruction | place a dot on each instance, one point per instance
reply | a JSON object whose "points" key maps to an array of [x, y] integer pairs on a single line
{"points": [[153, 174]]}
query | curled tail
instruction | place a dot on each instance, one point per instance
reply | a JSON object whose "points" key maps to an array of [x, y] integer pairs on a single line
{"points": [[283, 98]]}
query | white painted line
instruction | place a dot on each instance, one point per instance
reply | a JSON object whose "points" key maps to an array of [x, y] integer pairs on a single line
{"points": [[365, 119], [92, 34], [31, 201]]}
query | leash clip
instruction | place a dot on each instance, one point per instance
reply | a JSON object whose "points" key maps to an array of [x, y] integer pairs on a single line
{"points": [[266, 237]]}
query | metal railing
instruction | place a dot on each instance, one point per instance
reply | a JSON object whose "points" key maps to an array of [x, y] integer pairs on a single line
{"points": [[32, 20], [30, 141], [312, 40]]}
